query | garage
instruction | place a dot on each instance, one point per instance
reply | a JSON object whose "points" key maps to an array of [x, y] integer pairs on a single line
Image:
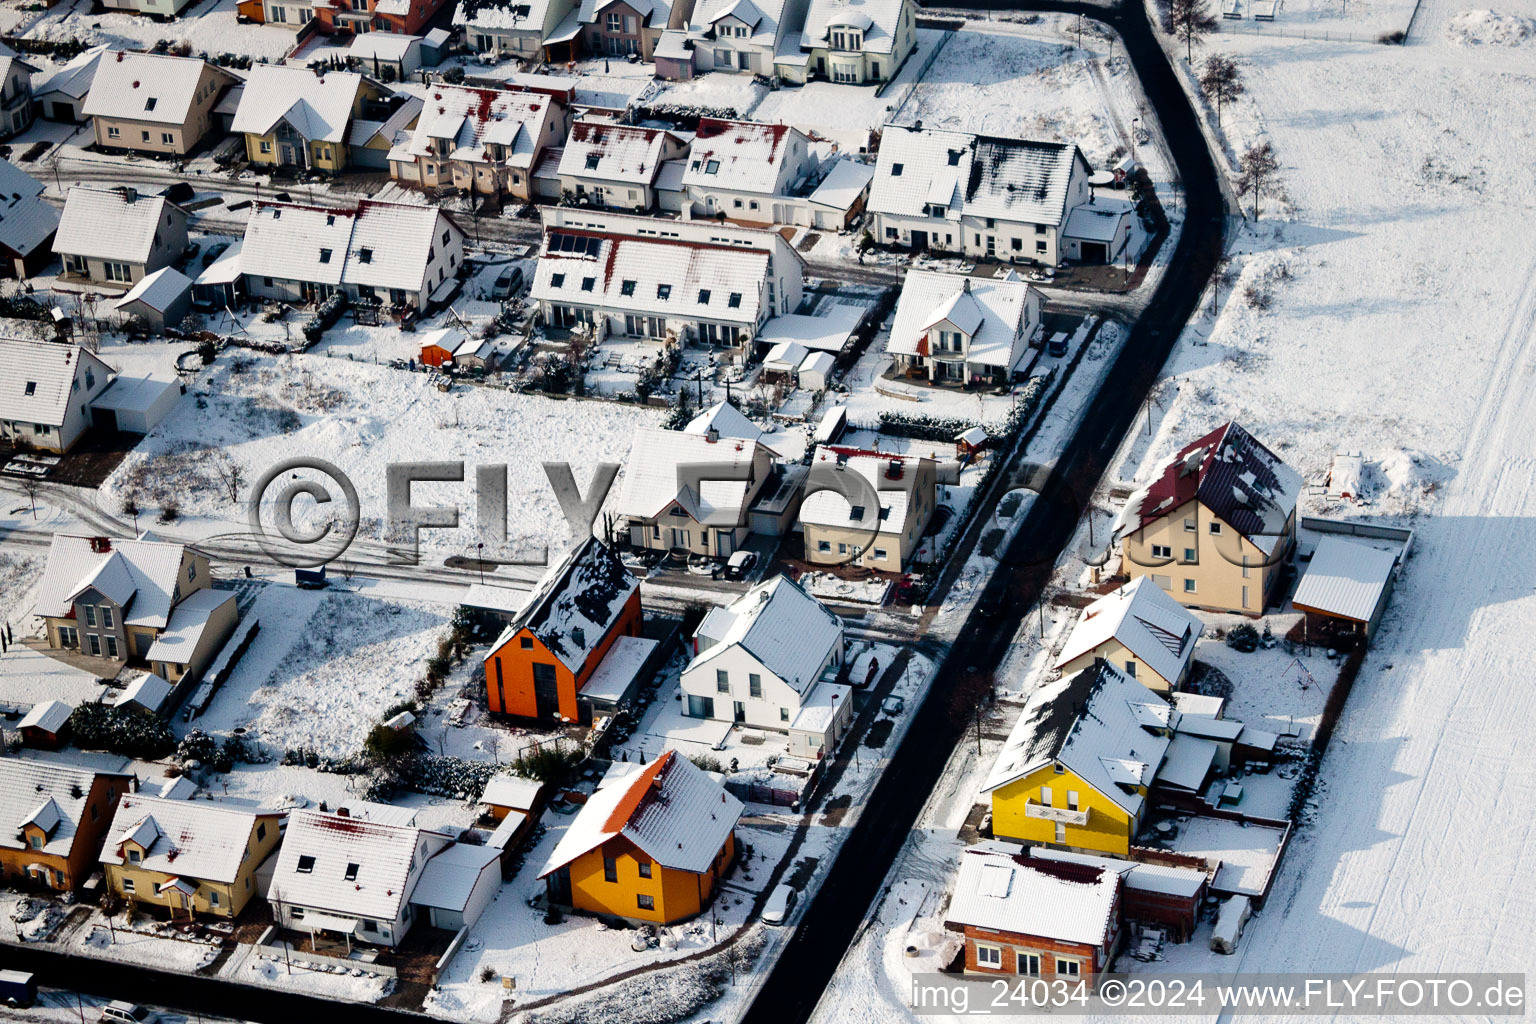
{"points": [[135, 405], [1097, 232], [1095, 252]]}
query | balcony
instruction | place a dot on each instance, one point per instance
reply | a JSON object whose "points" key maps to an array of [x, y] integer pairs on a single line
{"points": [[1061, 814]]}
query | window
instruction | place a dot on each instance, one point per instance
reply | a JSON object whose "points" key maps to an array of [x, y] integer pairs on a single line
{"points": [[615, 23], [896, 170], [1040, 246], [703, 296], [1189, 586], [167, 138], [1189, 526], [754, 684], [592, 161], [1245, 597], [1068, 967], [351, 873], [557, 280], [1026, 963], [627, 288], [95, 644], [114, 133], [737, 204], [734, 301], [645, 902], [822, 545], [990, 957], [296, 913], [1191, 555], [711, 167], [1061, 833], [134, 856], [325, 255], [37, 842], [306, 865], [1245, 567], [783, 714], [191, 572], [1018, 244], [365, 255], [645, 869], [261, 831], [1162, 551], [370, 925], [213, 897], [663, 291], [610, 868], [722, 681], [722, 59], [90, 614], [1130, 667], [1215, 529], [144, 135], [111, 646], [701, 707], [128, 885], [1071, 799], [890, 233], [1045, 796], [880, 552]]}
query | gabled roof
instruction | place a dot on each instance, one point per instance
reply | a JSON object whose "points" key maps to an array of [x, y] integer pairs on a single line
{"points": [[656, 476], [448, 880], [742, 156], [46, 793], [476, 118], [1151, 625], [382, 245], [653, 13], [194, 839], [896, 494], [1240, 481], [511, 790], [1101, 724], [72, 79], [152, 569], [998, 314], [1346, 577], [49, 716], [26, 219], [317, 106], [148, 691], [188, 622], [525, 15], [726, 421], [671, 809], [319, 851], [40, 377], [788, 631], [159, 291], [1004, 891], [614, 152], [575, 604], [877, 19], [112, 224], [151, 87]]}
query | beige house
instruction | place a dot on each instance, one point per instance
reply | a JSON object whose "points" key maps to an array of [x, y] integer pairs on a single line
{"points": [[295, 117], [1216, 527], [692, 491], [1139, 628], [191, 857], [114, 238], [852, 41], [866, 508], [154, 103], [483, 140]]}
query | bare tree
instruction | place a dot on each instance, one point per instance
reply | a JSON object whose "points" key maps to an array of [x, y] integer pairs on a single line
{"points": [[231, 476], [1190, 22], [1259, 165], [28, 487], [1222, 80]]}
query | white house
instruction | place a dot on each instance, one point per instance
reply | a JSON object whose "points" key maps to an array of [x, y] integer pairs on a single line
{"points": [[739, 36], [692, 491], [962, 330], [113, 238], [617, 166], [881, 531], [985, 197], [770, 660], [856, 42], [15, 93], [1141, 630], [391, 253], [739, 169], [516, 28], [46, 392]]}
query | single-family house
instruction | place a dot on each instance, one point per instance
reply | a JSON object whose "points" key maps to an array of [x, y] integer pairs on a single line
{"points": [[404, 17], [652, 844], [61, 94], [979, 195], [616, 165], [154, 103], [1140, 629], [964, 330], [46, 393], [488, 141], [53, 818], [866, 508], [691, 492], [45, 725], [770, 660], [191, 857], [1051, 919], [1153, 894], [1077, 767], [740, 169], [618, 28], [158, 9], [541, 661], [518, 28], [27, 224], [388, 253], [16, 107], [1217, 524], [737, 36], [114, 238], [160, 299], [295, 117], [855, 42]]}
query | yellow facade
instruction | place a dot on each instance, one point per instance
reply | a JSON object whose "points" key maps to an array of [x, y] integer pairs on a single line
{"points": [[1202, 562], [213, 898], [1121, 656], [674, 895], [1078, 816]]}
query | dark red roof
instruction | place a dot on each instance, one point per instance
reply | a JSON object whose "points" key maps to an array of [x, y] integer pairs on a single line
{"points": [[1240, 481]]}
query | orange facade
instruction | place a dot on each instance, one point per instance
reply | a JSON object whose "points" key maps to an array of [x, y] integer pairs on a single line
{"points": [[60, 871], [435, 355], [610, 881], [345, 18], [524, 678]]}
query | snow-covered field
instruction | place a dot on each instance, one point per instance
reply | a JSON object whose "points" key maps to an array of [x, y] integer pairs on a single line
{"points": [[208, 27]]}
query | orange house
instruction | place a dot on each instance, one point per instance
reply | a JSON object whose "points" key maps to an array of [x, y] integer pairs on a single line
{"points": [[652, 844], [539, 664], [55, 817]]}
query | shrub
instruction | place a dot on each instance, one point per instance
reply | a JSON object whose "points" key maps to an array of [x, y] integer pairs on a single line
{"points": [[129, 731], [1243, 637], [325, 317], [386, 744], [170, 510], [205, 352], [707, 762], [551, 765], [1396, 38]]}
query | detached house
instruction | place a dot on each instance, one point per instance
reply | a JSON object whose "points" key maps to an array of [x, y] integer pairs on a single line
{"points": [[406, 17], [692, 492], [295, 117], [615, 165], [740, 36], [541, 661], [518, 28], [114, 238], [618, 28], [739, 169], [855, 42], [15, 93], [770, 660], [1216, 526], [982, 196], [191, 857], [964, 330], [881, 531], [388, 253], [1140, 629], [45, 398], [1078, 766], [482, 140], [53, 818], [652, 844], [154, 103]]}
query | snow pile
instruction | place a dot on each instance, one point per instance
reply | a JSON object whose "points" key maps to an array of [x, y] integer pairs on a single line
{"points": [[1490, 28]]}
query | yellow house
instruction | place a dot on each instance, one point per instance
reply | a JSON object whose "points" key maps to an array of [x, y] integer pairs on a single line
{"points": [[867, 508], [1139, 629], [295, 117], [1218, 524], [190, 857], [652, 844], [154, 103], [1078, 765]]}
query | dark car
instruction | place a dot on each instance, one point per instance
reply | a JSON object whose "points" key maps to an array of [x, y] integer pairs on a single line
{"points": [[740, 564]]}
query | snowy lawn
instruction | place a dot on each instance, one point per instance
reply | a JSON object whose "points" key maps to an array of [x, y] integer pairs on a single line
{"points": [[208, 27], [311, 975], [144, 947], [31, 677], [1272, 689]]}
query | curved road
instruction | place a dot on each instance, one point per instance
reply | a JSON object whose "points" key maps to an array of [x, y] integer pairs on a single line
{"points": [[808, 960]]}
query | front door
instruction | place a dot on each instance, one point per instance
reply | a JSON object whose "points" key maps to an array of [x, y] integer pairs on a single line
{"points": [[739, 710], [919, 240], [744, 60], [546, 691], [726, 543], [991, 247]]}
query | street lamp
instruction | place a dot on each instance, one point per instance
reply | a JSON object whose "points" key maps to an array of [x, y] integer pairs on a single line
{"points": [[480, 560]]}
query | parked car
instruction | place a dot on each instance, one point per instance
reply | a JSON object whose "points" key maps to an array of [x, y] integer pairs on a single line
{"points": [[893, 705], [740, 564], [214, 252], [17, 988], [118, 1012], [508, 283], [779, 904], [1058, 344]]}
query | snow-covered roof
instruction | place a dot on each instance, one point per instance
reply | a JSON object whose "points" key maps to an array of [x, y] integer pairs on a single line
{"points": [[112, 224], [742, 156], [785, 629], [1163, 879], [26, 219], [1098, 221], [1104, 726], [449, 878], [148, 691], [1188, 762], [656, 476], [392, 46], [672, 810], [528, 15], [512, 790], [47, 794], [382, 245], [193, 839], [877, 19], [896, 494], [1056, 900], [349, 865], [49, 716], [843, 185], [151, 87], [672, 45], [826, 330], [613, 152], [40, 378], [653, 13], [159, 291], [472, 119], [785, 356], [318, 106], [188, 621], [726, 421], [133, 394], [577, 602], [1021, 180], [997, 314], [616, 673], [151, 569], [1346, 577], [226, 269], [1152, 626], [73, 79], [500, 599]]}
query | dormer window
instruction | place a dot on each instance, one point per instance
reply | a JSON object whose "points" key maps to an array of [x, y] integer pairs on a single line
{"points": [[734, 301], [627, 288], [149, 104], [587, 283], [365, 255], [663, 291], [592, 161], [896, 170], [557, 280], [31, 388], [703, 296], [306, 865], [351, 874], [134, 855], [954, 157], [712, 167], [325, 255]]}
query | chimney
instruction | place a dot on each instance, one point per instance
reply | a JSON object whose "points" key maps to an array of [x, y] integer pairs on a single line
{"points": [[966, 285], [101, 545], [712, 435], [893, 469], [343, 812]]}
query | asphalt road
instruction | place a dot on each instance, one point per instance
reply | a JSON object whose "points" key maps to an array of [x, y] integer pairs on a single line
{"points": [[808, 961]]}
